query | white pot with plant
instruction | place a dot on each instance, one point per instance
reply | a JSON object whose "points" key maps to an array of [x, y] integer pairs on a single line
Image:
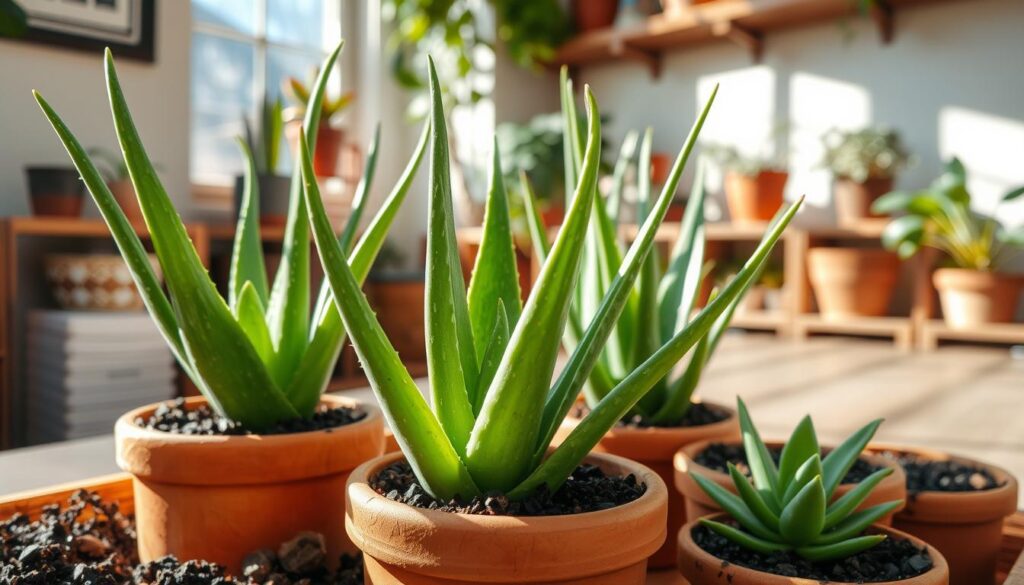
{"points": [[864, 164]]}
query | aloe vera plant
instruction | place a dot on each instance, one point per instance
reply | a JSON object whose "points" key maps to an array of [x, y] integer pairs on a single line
{"points": [[787, 507], [491, 359], [262, 355]]}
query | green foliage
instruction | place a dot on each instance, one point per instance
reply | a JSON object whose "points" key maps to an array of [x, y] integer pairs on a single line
{"points": [[732, 160], [786, 507], [941, 217], [869, 153], [264, 141], [491, 361], [13, 20], [534, 148], [258, 357], [330, 108]]}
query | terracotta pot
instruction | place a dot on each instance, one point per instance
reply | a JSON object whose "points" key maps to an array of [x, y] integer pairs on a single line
{"points": [[655, 448], [403, 545], [399, 307], [327, 154], [852, 282], [124, 194], [973, 297], [966, 527], [661, 164], [218, 498], [552, 214], [275, 192], [594, 14], [55, 191], [675, 212], [701, 568], [853, 200], [754, 199], [893, 487]]}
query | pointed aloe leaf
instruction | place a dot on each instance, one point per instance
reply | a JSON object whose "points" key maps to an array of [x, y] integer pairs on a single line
{"points": [[734, 506], [553, 471], [492, 357], [680, 393], [223, 358], [802, 444], [314, 371], [752, 498], [762, 466], [500, 450], [495, 274], [247, 265], [804, 474], [856, 523], [803, 518], [839, 461], [249, 313], [743, 539], [626, 153], [840, 550], [534, 223], [419, 434], [680, 285], [647, 337], [572, 139], [845, 505], [134, 254]]}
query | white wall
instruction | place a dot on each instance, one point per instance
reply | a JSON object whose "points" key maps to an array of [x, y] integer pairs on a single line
{"points": [[72, 81]]}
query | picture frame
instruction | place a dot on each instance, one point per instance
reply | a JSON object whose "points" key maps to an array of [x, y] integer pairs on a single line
{"points": [[128, 27]]}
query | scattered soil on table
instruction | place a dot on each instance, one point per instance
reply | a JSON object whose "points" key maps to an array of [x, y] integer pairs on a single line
{"points": [[173, 417], [890, 560], [927, 475], [717, 455], [588, 489], [697, 415]]}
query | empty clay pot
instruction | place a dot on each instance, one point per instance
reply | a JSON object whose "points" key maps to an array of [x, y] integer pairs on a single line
{"points": [[852, 282], [698, 503], [655, 447], [754, 199], [55, 191], [701, 568], [853, 199], [218, 498], [403, 545], [973, 297], [594, 14], [326, 154]]}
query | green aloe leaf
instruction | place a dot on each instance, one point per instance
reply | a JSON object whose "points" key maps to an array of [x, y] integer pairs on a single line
{"points": [[626, 153], [753, 500], [743, 539], [247, 265], [492, 355], [762, 466], [680, 393], [840, 550], [803, 518], [857, 522], [572, 137], [839, 461], [736, 507], [538, 231], [845, 505], [681, 284], [804, 474], [648, 334], [801, 446], [251, 317]]}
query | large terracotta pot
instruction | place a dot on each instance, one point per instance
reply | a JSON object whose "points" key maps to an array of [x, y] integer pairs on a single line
{"points": [[754, 199], [326, 154], [701, 568], [655, 448], [973, 297], [966, 527], [124, 194], [852, 282], [220, 497], [403, 545], [55, 191], [698, 503], [853, 199], [594, 14]]}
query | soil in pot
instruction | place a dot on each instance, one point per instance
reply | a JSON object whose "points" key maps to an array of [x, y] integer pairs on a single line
{"points": [[853, 199], [55, 191], [973, 297], [852, 282], [754, 199], [176, 417]]}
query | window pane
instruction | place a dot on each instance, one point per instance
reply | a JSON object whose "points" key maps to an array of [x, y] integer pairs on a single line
{"points": [[284, 63], [296, 22], [222, 94], [237, 15]]}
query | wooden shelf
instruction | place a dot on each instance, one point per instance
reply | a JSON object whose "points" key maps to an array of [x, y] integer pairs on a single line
{"points": [[934, 331], [900, 329], [764, 320]]}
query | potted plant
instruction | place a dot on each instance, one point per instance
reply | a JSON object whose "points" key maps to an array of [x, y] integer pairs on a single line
{"points": [[754, 185], [972, 289], [714, 461], [263, 454], [852, 282], [264, 142], [788, 521], [594, 14], [957, 505], [536, 149], [476, 468], [115, 173], [330, 137], [864, 164], [54, 191]]}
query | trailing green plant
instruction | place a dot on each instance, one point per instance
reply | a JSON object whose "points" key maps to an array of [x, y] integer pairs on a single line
{"points": [[264, 141], [941, 217], [330, 108], [262, 355], [868, 153], [787, 506], [491, 359]]}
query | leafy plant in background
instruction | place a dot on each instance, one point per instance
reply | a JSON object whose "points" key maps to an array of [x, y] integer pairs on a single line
{"points": [[869, 153], [13, 20], [262, 356], [491, 359], [787, 508], [730, 159], [534, 148], [264, 141], [330, 108], [941, 217], [111, 166]]}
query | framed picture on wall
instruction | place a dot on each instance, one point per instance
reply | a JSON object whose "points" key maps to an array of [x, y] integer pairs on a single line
{"points": [[126, 26]]}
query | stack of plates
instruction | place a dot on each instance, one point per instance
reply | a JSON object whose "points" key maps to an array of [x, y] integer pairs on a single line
{"points": [[86, 369]]}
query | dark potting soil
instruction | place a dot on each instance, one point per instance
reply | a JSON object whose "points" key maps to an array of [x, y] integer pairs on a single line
{"points": [[173, 417], [926, 475], [889, 560], [698, 414], [588, 489], [717, 455]]}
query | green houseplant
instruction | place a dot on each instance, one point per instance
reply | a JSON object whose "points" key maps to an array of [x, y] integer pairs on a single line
{"points": [[261, 358], [864, 164], [330, 138], [972, 288], [263, 140], [491, 361], [754, 184]]}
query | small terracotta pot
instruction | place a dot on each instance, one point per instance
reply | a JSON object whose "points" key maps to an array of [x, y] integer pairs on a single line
{"points": [[594, 14], [655, 448], [399, 307], [853, 199], [327, 154], [124, 194], [973, 297], [218, 498], [754, 199], [698, 503], [966, 527], [702, 568], [403, 545], [55, 191], [852, 282]]}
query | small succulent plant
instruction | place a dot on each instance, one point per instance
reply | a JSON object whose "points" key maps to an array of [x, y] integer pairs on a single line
{"points": [[330, 108], [869, 153], [787, 507]]}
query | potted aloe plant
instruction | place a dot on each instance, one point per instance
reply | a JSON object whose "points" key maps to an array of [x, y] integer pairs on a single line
{"points": [[263, 140], [330, 137], [788, 521], [263, 454], [476, 467], [864, 164], [754, 185], [972, 288]]}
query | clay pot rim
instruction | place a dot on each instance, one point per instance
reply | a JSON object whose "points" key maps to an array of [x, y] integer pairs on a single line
{"points": [[681, 431], [940, 568], [954, 271]]}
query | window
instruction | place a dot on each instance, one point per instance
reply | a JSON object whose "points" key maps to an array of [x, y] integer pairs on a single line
{"points": [[241, 51]]}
